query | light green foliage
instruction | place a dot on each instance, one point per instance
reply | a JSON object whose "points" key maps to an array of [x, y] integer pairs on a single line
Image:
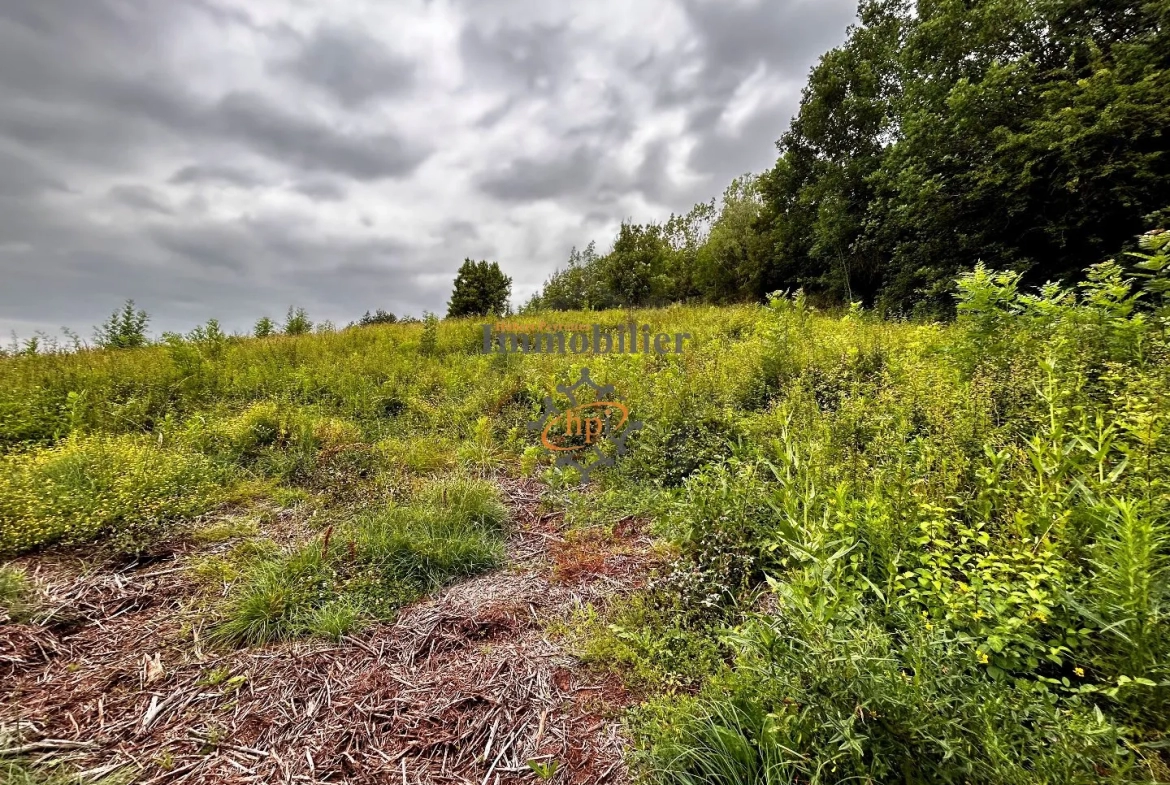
{"points": [[429, 342], [480, 452], [577, 287], [810, 701], [273, 439], [897, 551], [652, 646], [423, 455], [297, 322], [265, 328], [917, 571], [544, 770], [85, 486], [224, 530]]}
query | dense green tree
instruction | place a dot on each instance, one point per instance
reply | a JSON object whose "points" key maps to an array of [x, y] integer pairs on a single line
{"points": [[636, 270], [577, 287], [378, 317], [817, 195], [481, 289], [264, 328], [1027, 135], [686, 235], [125, 329], [296, 322], [728, 264]]}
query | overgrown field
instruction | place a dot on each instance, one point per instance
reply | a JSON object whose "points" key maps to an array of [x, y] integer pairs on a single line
{"points": [[902, 552]]}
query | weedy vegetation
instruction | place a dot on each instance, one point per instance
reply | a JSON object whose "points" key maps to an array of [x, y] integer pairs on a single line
{"points": [[898, 551]]}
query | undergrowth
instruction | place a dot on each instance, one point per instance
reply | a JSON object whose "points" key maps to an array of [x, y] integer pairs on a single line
{"points": [[899, 552]]}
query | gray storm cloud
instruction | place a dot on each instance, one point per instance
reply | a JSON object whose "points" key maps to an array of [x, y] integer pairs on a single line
{"points": [[223, 160]]}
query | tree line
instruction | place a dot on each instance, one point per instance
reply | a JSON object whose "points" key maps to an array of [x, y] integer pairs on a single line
{"points": [[1028, 135], [1025, 135], [480, 289]]}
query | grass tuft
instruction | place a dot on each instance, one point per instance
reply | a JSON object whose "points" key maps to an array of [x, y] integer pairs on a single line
{"points": [[374, 564]]}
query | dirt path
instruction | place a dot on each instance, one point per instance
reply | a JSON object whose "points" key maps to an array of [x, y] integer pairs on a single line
{"points": [[463, 687]]}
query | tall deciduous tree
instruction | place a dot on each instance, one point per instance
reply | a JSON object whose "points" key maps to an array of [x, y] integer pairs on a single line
{"points": [[1026, 134], [728, 264], [1029, 135], [481, 288]]}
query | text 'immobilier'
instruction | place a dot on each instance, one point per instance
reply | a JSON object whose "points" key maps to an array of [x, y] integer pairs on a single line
{"points": [[622, 340]]}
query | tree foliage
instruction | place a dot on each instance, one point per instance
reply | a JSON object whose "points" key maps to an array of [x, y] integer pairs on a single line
{"points": [[378, 317], [1027, 135], [264, 328], [125, 329], [296, 322], [481, 288]]}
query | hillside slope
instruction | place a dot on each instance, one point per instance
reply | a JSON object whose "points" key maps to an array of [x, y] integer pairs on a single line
{"points": [[888, 551]]}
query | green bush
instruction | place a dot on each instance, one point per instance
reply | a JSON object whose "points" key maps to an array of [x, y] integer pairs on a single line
{"points": [[849, 702], [651, 647], [272, 439], [84, 487]]}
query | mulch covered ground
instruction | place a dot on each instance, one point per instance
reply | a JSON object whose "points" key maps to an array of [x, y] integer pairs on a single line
{"points": [[463, 687]]}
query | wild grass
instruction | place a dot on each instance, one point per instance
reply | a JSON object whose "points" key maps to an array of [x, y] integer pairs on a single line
{"points": [[16, 594], [366, 568], [14, 772], [911, 552]]}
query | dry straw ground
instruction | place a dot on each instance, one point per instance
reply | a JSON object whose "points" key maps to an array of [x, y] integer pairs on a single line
{"points": [[466, 686]]}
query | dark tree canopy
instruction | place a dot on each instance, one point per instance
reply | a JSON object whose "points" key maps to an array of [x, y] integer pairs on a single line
{"points": [[379, 316], [481, 289]]}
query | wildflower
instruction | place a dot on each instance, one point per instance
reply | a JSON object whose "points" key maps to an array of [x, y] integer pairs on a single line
{"points": [[1080, 672], [983, 658]]}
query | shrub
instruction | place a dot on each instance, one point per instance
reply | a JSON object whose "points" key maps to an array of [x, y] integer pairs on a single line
{"points": [[89, 486], [264, 328], [849, 702], [296, 322], [429, 342], [669, 452], [273, 439], [648, 645]]}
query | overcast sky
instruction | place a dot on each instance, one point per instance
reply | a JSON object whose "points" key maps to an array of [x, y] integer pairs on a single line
{"points": [[218, 159]]}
